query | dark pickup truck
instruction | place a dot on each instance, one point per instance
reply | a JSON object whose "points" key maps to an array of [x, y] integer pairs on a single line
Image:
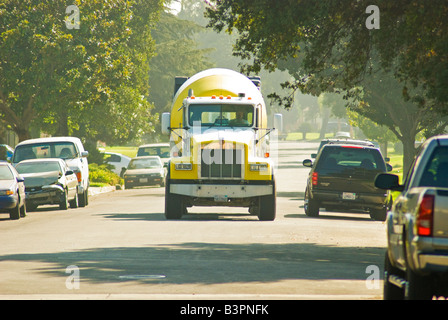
{"points": [[416, 264]]}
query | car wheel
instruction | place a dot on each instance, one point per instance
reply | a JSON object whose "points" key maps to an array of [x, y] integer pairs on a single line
{"points": [[391, 291], [14, 214], [311, 206], [75, 202], [63, 205], [23, 210]]}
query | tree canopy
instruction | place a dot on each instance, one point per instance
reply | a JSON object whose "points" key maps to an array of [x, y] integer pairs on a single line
{"points": [[329, 46], [90, 81]]}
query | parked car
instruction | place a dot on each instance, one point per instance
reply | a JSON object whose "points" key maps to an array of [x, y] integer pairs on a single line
{"points": [[342, 135], [144, 171], [155, 149], [342, 178], [49, 181], [12, 192], [117, 160], [416, 262], [70, 149], [341, 141]]}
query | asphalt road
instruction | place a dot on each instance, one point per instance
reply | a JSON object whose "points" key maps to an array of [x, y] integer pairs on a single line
{"points": [[122, 247]]}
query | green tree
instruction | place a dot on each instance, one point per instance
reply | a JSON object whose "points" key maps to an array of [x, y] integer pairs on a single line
{"points": [[84, 81], [326, 46]]}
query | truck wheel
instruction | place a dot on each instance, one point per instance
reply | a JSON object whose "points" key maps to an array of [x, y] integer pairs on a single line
{"points": [[311, 206], [174, 204], [83, 199], [418, 287], [391, 291], [267, 208], [378, 214]]}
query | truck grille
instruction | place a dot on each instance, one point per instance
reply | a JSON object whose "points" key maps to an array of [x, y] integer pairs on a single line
{"points": [[221, 163]]}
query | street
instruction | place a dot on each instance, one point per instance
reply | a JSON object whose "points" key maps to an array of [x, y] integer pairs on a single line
{"points": [[121, 247]]}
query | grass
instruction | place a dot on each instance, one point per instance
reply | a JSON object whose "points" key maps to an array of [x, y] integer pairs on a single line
{"points": [[127, 151]]}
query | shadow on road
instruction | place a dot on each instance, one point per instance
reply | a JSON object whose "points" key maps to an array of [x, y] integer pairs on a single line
{"points": [[211, 263]]}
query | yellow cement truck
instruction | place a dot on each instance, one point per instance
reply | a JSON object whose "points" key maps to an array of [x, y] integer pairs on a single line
{"points": [[221, 146]]}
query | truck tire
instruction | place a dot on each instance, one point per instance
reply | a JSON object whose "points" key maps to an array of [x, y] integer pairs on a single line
{"points": [[83, 199], [311, 206], [418, 287], [267, 206], [391, 291], [174, 204], [378, 214]]}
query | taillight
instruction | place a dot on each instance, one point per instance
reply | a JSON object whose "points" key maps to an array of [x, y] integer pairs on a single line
{"points": [[78, 175], [425, 216], [314, 178]]}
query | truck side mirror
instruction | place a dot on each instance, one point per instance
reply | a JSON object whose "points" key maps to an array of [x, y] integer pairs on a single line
{"points": [[166, 119], [278, 122], [388, 181]]}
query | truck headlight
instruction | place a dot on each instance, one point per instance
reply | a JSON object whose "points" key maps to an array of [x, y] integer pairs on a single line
{"points": [[183, 166], [259, 167]]}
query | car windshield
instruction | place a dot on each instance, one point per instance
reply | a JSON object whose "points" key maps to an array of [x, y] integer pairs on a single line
{"points": [[145, 164], [338, 159], [63, 150], [5, 173], [37, 167], [221, 115], [161, 151], [436, 171]]}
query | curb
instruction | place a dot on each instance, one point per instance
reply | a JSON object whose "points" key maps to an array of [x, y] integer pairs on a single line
{"points": [[93, 191]]}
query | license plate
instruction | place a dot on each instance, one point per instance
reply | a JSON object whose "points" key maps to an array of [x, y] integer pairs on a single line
{"points": [[348, 196], [220, 198], [143, 179]]}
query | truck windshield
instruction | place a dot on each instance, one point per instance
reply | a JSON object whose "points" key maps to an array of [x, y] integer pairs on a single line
{"points": [[221, 115]]}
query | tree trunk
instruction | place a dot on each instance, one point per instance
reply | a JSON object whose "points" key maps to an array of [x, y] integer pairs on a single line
{"points": [[23, 133], [325, 118], [409, 152]]}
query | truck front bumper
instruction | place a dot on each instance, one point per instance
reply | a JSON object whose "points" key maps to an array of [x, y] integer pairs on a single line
{"points": [[221, 191]]}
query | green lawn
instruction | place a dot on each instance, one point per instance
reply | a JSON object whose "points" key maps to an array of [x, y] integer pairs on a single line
{"points": [[127, 151]]}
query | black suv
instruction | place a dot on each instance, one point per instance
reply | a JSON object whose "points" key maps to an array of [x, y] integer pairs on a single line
{"points": [[342, 178]]}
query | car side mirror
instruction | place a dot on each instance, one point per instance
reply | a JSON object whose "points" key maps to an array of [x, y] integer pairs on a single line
{"points": [[388, 167], [69, 172], [307, 163], [20, 179], [388, 181], [85, 154]]}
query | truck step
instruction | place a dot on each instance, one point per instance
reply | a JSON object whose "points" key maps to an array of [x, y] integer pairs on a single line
{"points": [[397, 281]]}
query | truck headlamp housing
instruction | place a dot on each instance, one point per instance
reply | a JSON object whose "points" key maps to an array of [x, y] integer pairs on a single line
{"points": [[258, 167], [183, 166]]}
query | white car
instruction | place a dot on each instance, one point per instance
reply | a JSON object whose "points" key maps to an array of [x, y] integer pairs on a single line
{"points": [[117, 160], [155, 149], [70, 149]]}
